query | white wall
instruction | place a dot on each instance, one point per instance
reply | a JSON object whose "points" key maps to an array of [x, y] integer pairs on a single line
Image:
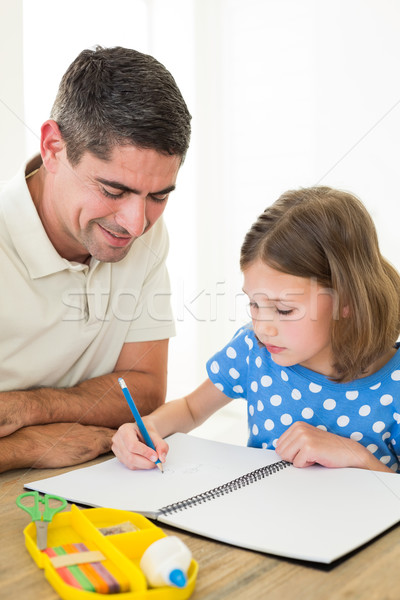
{"points": [[12, 126], [55, 33], [283, 93]]}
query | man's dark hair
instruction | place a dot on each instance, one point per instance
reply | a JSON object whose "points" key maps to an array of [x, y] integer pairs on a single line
{"points": [[119, 96]]}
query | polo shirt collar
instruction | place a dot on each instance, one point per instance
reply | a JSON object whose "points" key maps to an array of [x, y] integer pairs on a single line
{"points": [[27, 232]]}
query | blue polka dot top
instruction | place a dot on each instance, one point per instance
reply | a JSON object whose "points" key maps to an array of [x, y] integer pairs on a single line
{"points": [[366, 410]]}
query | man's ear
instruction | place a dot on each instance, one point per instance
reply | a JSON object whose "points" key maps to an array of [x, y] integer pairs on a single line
{"points": [[51, 144]]}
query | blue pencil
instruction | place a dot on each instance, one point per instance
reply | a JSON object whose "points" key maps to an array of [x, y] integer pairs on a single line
{"points": [[138, 419]]}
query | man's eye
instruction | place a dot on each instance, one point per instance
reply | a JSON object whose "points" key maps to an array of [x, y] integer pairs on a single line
{"points": [[159, 197], [109, 195]]}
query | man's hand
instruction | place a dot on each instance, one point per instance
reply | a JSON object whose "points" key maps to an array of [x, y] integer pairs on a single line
{"points": [[96, 401], [303, 445], [12, 413], [53, 445]]}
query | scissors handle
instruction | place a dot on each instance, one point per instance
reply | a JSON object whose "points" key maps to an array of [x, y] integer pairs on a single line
{"points": [[34, 510], [49, 511]]}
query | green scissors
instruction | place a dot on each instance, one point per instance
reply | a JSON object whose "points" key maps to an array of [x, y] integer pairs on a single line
{"points": [[41, 520]]}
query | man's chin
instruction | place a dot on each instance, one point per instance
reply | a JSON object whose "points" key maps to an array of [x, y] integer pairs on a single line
{"points": [[110, 255]]}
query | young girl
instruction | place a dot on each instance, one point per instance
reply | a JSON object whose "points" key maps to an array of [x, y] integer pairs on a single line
{"points": [[319, 366]]}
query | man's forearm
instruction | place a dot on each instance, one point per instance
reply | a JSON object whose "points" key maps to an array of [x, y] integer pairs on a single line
{"points": [[14, 453], [53, 445], [97, 401]]}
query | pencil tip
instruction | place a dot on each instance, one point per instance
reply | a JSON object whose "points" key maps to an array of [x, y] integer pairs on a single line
{"points": [[160, 466]]}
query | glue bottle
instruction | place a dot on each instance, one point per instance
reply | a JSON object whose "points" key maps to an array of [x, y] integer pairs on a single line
{"points": [[166, 562]]}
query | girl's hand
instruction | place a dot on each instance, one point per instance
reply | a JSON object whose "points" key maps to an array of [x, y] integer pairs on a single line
{"points": [[303, 445], [129, 448]]}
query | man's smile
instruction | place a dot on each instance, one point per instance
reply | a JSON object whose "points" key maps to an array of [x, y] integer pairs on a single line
{"points": [[116, 239]]}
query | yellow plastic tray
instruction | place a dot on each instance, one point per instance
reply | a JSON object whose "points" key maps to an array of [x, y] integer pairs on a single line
{"points": [[123, 552]]}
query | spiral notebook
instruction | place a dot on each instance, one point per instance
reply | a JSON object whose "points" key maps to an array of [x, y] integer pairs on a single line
{"points": [[246, 497]]}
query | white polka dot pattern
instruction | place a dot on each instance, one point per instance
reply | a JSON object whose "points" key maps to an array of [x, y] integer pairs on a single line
{"points": [[367, 411], [214, 367], [234, 373], [275, 400], [375, 387], [266, 381], [343, 421], [307, 413], [315, 388], [231, 352], [329, 404], [386, 399], [286, 419], [269, 424]]}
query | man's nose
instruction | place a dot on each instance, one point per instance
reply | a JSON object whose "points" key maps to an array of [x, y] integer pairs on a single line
{"points": [[132, 216]]}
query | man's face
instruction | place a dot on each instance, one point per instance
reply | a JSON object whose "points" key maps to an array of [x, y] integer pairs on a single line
{"points": [[99, 208]]}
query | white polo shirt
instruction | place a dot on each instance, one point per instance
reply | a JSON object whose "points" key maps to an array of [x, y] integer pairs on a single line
{"points": [[63, 322]]}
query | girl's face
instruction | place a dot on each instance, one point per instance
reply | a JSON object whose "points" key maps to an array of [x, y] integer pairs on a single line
{"points": [[292, 317]]}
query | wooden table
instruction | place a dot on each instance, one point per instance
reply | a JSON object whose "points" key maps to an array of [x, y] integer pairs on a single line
{"points": [[225, 572]]}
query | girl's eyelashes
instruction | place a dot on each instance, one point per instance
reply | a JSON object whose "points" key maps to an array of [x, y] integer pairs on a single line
{"points": [[283, 312]]}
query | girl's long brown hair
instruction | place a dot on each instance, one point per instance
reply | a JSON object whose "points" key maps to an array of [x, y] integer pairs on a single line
{"points": [[328, 235]]}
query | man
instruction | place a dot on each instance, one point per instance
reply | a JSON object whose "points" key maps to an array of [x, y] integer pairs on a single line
{"points": [[85, 294]]}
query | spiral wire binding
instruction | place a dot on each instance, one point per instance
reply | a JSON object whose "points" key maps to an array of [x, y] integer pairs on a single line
{"points": [[225, 488]]}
